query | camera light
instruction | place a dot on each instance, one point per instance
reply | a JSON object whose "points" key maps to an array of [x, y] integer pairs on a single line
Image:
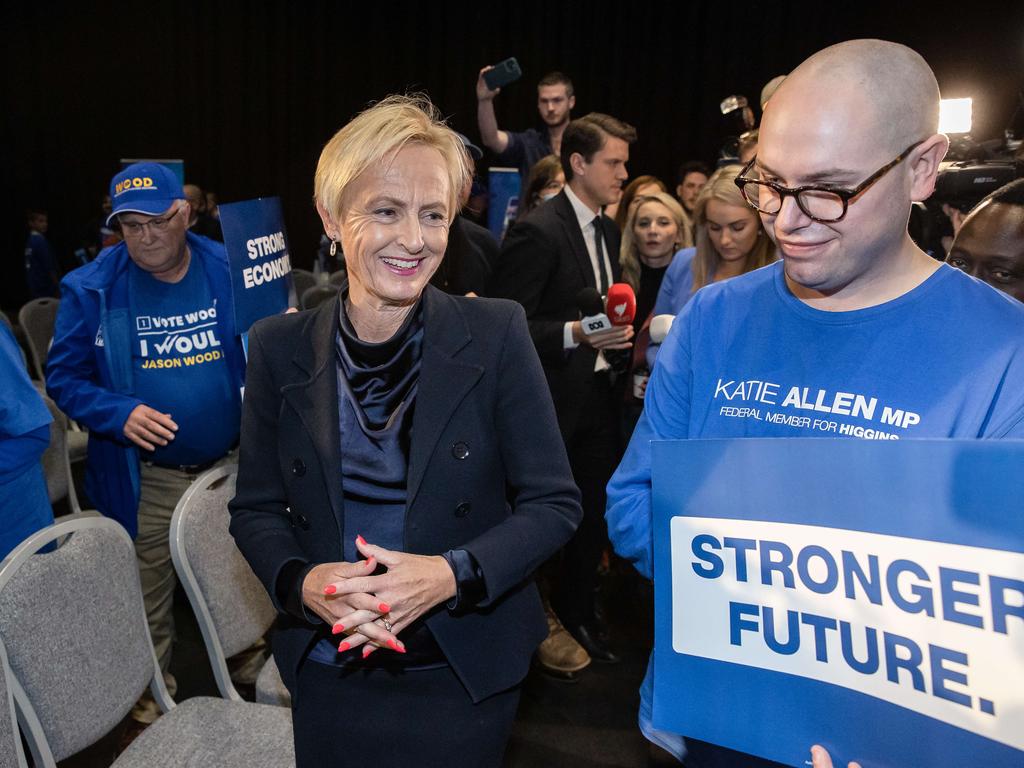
{"points": [[955, 115]]}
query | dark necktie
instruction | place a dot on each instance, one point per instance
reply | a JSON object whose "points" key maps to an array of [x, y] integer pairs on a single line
{"points": [[599, 248]]}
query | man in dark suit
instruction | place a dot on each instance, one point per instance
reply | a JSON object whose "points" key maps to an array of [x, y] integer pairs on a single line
{"points": [[559, 249]]}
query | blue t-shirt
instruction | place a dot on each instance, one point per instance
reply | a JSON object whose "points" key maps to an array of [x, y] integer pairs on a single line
{"points": [[179, 366], [24, 434], [676, 289]]}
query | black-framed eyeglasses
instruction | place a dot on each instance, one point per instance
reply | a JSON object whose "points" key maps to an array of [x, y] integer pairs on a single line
{"points": [[819, 202], [134, 228]]}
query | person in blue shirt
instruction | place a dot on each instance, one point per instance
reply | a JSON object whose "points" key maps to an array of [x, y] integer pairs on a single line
{"points": [[857, 332], [24, 435], [146, 356], [522, 149], [41, 271]]}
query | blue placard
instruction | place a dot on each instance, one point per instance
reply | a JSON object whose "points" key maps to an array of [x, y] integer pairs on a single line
{"points": [[502, 199], [261, 269], [866, 596]]}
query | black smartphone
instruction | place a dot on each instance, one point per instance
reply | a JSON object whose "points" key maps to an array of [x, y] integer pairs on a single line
{"points": [[504, 72]]}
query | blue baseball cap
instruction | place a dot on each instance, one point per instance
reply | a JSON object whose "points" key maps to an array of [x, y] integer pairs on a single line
{"points": [[474, 151], [149, 188]]}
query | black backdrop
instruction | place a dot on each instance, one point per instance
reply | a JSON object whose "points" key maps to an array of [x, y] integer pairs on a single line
{"points": [[248, 92]]}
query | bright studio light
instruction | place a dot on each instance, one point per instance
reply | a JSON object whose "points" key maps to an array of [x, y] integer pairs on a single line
{"points": [[955, 115]]}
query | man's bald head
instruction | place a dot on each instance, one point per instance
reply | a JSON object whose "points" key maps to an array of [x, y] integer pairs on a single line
{"points": [[861, 115], [889, 83]]}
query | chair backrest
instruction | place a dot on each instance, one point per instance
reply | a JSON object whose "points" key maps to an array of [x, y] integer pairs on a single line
{"points": [[303, 280], [337, 278], [56, 460], [11, 753], [38, 318], [75, 629], [230, 603], [317, 295]]}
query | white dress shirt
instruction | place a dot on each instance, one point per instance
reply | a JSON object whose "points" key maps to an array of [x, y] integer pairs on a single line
{"points": [[586, 216]]}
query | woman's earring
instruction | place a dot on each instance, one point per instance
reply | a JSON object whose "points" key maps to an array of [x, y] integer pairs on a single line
{"points": [[334, 247]]}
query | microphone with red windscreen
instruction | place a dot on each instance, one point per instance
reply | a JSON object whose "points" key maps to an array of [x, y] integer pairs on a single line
{"points": [[620, 306]]}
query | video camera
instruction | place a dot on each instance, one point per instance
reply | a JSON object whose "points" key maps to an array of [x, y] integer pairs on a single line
{"points": [[971, 171], [737, 119]]}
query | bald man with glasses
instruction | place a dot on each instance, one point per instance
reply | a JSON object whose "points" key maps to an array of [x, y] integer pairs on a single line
{"points": [[145, 355], [853, 317]]}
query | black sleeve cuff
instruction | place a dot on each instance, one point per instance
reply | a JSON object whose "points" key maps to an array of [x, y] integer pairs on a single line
{"points": [[289, 589], [470, 588]]}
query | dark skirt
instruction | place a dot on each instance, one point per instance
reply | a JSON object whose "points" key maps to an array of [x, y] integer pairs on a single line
{"points": [[387, 718]]}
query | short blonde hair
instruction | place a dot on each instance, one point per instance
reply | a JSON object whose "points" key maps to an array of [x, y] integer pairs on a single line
{"points": [[629, 255], [722, 187], [377, 133]]}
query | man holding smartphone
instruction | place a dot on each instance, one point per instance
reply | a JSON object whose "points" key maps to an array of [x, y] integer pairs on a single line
{"points": [[555, 100]]}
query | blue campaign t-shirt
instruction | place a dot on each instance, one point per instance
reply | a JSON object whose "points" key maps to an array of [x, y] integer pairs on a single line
{"points": [[746, 358], [179, 365]]}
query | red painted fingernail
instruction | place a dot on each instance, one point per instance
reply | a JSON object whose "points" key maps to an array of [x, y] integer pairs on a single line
{"points": [[337, 628], [394, 646], [367, 651], [361, 541], [384, 608], [330, 589], [342, 647]]}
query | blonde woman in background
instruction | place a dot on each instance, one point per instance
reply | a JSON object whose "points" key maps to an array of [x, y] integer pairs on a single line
{"points": [[652, 237], [730, 241]]}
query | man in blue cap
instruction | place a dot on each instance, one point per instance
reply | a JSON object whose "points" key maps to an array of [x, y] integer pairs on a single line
{"points": [[146, 356]]}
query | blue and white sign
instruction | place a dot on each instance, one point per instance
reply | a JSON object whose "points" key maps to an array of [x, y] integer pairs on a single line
{"points": [[503, 199], [257, 245], [865, 596]]}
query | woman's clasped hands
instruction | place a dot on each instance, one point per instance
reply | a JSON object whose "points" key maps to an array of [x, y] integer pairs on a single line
{"points": [[371, 610]]}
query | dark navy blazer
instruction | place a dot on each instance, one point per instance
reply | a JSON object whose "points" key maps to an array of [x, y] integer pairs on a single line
{"points": [[487, 473]]}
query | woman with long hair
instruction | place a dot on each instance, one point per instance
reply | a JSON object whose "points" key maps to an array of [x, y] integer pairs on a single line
{"points": [[730, 241], [545, 181]]}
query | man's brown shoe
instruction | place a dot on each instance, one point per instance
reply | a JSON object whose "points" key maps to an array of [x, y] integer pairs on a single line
{"points": [[560, 655]]}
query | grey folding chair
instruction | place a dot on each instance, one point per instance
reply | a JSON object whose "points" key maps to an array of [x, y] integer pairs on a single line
{"points": [[317, 295], [230, 604], [56, 460], [337, 278], [12, 754], [303, 280], [37, 318], [80, 655]]}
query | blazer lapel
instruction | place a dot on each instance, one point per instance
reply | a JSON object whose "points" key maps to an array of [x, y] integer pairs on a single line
{"points": [[315, 398], [571, 226], [444, 381]]}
